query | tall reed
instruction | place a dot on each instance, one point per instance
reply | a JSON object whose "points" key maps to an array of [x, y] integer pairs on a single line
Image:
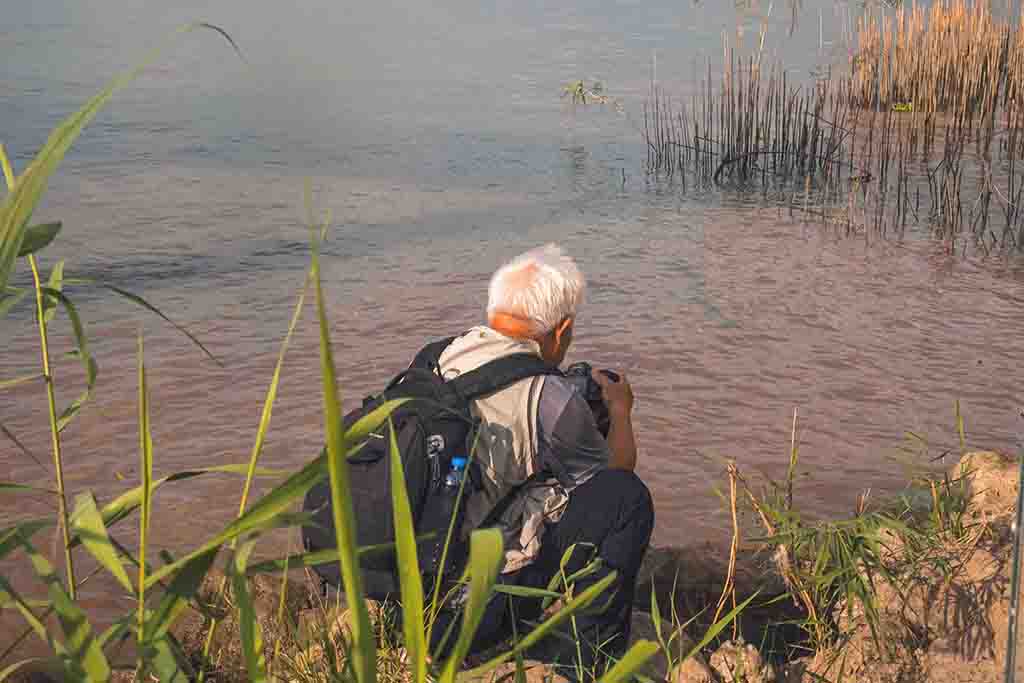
{"points": [[899, 143]]}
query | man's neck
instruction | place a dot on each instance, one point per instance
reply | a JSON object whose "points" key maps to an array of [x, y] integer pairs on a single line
{"points": [[511, 326]]}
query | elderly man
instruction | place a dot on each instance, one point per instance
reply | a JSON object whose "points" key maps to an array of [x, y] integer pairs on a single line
{"points": [[539, 439]]}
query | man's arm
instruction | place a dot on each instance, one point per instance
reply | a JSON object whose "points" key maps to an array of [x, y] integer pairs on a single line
{"points": [[618, 396]]}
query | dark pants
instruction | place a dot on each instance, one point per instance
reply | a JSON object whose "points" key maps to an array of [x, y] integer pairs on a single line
{"points": [[611, 517]]}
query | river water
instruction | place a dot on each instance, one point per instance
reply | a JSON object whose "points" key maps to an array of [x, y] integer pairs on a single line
{"points": [[440, 143]]}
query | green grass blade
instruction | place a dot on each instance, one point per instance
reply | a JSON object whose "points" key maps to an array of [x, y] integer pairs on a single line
{"points": [[960, 431], [486, 555], [135, 298], [364, 647], [249, 627], [717, 627], [11, 298], [146, 471], [83, 352], [410, 581], [257, 449], [268, 402], [87, 524], [640, 652], [38, 236], [83, 648], [28, 188], [577, 603]]}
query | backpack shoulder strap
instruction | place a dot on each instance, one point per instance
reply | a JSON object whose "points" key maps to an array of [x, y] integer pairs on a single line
{"points": [[498, 374], [428, 357]]}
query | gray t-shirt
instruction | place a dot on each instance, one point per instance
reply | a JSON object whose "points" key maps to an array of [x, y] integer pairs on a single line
{"points": [[569, 444]]}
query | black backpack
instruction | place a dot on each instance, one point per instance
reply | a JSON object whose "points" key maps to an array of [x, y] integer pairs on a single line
{"points": [[431, 429]]}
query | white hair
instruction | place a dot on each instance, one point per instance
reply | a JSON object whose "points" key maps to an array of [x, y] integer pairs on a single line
{"points": [[542, 286]]}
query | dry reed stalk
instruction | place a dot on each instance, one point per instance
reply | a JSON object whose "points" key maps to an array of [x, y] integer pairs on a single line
{"points": [[729, 587], [826, 149]]}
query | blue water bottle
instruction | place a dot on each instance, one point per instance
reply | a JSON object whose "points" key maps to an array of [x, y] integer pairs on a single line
{"points": [[458, 470]]}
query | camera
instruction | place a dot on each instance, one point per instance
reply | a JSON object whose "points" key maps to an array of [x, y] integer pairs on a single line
{"points": [[579, 375]]}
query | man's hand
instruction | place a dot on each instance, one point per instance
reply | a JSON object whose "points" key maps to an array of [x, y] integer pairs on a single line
{"points": [[618, 396]]}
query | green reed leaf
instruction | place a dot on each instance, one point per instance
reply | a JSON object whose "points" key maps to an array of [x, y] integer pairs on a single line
{"points": [[370, 422], [119, 630], [130, 500], [84, 651], [22, 447], [9, 596], [28, 188], [268, 401], [7, 603], [525, 591], [261, 514], [146, 470], [248, 625], [570, 608], [5, 164], [11, 486], [314, 558], [364, 646], [640, 652], [10, 383], [12, 537], [410, 581], [86, 358], [55, 281], [656, 621], [167, 664], [257, 449], [11, 298], [38, 236], [486, 555], [135, 298], [87, 524], [595, 564]]}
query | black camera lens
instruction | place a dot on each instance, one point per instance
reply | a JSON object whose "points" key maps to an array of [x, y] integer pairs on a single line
{"points": [[579, 375]]}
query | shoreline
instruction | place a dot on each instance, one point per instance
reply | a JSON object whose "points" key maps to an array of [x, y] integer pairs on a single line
{"points": [[941, 621]]}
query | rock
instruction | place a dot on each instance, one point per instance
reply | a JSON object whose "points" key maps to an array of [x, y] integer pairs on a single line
{"points": [[692, 670], [535, 672], [991, 480], [738, 662]]}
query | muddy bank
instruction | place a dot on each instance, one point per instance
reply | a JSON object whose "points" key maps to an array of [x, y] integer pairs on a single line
{"points": [[940, 615]]}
